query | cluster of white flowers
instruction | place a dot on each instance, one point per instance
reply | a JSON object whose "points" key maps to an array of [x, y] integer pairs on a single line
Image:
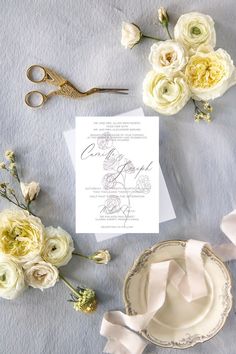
{"points": [[185, 66], [30, 254]]}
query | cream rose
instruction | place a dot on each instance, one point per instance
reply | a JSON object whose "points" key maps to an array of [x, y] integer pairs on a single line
{"points": [[194, 29], [168, 57], [40, 274], [130, 35], [21, 235], [165, 94], [30, 190], [210, 73], [12, 282], [58, 246]]}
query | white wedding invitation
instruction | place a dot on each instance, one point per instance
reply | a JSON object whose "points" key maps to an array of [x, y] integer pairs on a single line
{"points": [[117, 174], [166, 210]]}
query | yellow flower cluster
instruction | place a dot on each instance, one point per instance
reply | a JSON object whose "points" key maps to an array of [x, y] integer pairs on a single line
{"points": [[30, 253], [186, 66]]}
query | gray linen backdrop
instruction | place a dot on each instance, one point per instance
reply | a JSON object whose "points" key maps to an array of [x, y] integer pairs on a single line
{"points": [[81, 40]]}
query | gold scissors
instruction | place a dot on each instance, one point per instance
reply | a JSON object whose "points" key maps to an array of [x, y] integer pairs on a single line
{"points": [[65, 88]]}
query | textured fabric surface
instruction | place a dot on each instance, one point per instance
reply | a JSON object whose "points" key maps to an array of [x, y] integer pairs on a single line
{"points": [[81, 40]]}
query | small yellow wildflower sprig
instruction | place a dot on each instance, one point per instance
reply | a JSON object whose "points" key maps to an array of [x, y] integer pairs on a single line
{"points": [[83, 299], [203, 112], [10, 164], [6, 191]]}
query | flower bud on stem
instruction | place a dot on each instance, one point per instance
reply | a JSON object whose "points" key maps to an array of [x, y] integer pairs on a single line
{"points": [[99, 257], [164, 20]]}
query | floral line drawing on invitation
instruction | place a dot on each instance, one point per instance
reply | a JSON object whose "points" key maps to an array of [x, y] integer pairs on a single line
{"points": [[119, 167]]}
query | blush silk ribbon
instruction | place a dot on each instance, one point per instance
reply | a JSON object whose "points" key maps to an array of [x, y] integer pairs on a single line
{"points": [[119, 328]]}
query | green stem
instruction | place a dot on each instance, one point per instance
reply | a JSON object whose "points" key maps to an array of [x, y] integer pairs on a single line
{"points": [[28, 208], [65, 281], [17, 203], [195, 105], [17, 177], [16, 199], [10, 200], [81, 255], [168, 32], [150, 37], [30, 211], [197, 108]]}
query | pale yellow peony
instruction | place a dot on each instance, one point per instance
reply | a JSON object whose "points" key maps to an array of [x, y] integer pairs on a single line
{"points": [[210, 73], [21, 235]]}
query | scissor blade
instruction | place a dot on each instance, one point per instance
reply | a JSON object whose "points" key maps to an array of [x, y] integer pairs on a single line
{"points": [[115, 90]]}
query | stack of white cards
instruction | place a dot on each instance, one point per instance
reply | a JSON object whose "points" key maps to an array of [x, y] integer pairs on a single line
{"points": [[119, 183]]}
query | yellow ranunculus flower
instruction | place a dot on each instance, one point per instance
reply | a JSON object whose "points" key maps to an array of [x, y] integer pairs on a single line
{"points": [[21, 235], [210, 73]]}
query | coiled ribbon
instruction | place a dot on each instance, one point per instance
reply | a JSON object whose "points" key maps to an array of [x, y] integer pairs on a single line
{"points": [[119, 328]]}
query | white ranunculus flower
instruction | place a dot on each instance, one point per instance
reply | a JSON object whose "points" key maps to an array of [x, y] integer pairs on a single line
{"points": [[165, 94], [40, 274], [168, 57], [130, 35], [12, 282], [210, 73], [194, 29], [58, 246]]}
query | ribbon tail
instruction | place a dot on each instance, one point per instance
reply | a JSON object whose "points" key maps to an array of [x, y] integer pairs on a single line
{"points": [[228, 226], [194, 285], [120, 339]]}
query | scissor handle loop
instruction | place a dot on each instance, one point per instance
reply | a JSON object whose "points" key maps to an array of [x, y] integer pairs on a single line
{"points": [[29, 96], [30, 70]]}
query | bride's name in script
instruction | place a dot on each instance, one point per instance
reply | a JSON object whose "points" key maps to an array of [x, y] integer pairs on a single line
{"points": [[114, 156]]}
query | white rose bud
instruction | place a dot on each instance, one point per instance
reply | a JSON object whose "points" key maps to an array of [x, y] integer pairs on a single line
{"points": [[12, 282], [101, 257], [131, 35], [40, 275], [30, 191], [163, 16]]}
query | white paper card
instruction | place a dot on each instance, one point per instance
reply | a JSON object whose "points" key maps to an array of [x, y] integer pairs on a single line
{"points": [[166, 210], [117, 179]]}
